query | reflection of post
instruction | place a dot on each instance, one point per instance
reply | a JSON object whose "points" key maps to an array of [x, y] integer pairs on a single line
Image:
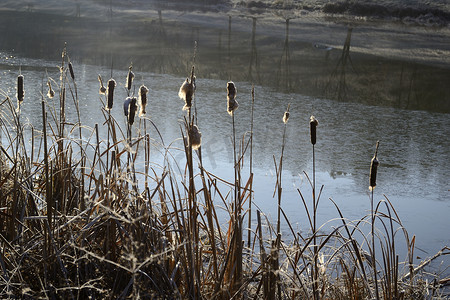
{"points": [[253, 54], [229, 38], [284, 70], [339, 71], [30, 7], [78, 11]]}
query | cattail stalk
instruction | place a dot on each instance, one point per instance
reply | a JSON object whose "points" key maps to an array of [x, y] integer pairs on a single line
{"points": [[372, 183], [313, 126], [251, 171], [280, 167]]}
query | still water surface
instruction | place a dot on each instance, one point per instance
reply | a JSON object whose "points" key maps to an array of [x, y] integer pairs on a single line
{"points": [[414, 145]]}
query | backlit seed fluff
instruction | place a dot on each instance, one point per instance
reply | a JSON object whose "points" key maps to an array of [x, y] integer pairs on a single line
{"points": [[232, 104], [110, 92], [51, 92], [102, 90], [373, 169], [186, 92], [196, 137], [20, 90], [130, 78], [143, 90], [286, 117], [313, 125]]}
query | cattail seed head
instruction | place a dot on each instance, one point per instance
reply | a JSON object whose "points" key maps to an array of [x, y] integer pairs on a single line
{"points": [[232, 104], [132, 110], [20, 90], [130, 78], [313, 125], [126, 105], [50, 93], [186, 92], [102, 90], [72, 74], [231, 90], [286, 117], [286, 114], [143, 90], [196, 137], [374, 163], [110, 92]]}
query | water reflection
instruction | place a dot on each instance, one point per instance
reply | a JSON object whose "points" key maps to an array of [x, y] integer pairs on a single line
{"points": [[337, 85], [162, 42]]}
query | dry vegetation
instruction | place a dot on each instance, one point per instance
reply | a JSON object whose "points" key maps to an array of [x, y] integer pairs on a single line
{"points": [[76, 224]]}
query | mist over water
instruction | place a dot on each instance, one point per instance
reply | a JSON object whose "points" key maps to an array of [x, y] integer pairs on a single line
{"points": [[358, 96]]}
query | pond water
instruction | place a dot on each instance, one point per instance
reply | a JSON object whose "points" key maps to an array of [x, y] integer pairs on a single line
{"points": [[412, 124]]}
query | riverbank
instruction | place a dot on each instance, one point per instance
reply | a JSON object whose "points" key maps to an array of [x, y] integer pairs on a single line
{"points": [[397, 32]]}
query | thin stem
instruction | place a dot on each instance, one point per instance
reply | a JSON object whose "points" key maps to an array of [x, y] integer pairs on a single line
{"points": [[251, 171], [316, 268], [374, 266]]}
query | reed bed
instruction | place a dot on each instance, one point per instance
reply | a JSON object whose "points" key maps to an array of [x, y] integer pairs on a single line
{"points": [[76, 223]]}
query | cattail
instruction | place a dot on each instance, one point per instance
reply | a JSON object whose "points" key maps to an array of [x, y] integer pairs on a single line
{"points": [[313, 125], [130, 78], [373, 169], [20, 90], [286, 115], [130, 108], [196, 137], [232, 104], [186, 92], [143, 90], [51, 92], [102, 90], [126, 105], [110, 92], [71, 71]]}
